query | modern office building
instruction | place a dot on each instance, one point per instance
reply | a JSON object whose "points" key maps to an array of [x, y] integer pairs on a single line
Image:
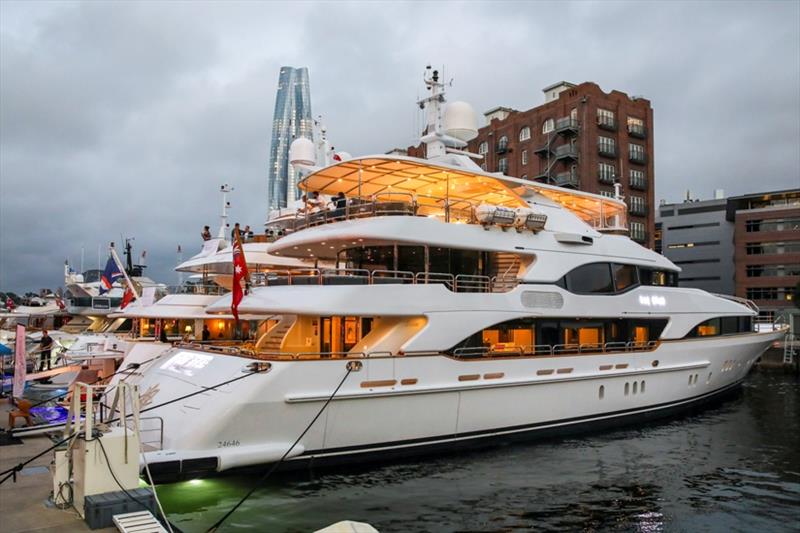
{"points": [[581, 138], [292, 119], [696, 236], [748, 246]]}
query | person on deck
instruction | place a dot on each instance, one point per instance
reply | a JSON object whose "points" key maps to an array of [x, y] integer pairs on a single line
{"points": [[206, 333], [46, 345], [163, 336], [236, 232], [206, 234]]}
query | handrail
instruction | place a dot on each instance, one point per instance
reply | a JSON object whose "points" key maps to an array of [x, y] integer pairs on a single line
{"points": [[744, 301], [463, 352], [214, 290]]}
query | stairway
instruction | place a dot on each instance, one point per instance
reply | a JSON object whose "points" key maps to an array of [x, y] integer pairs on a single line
{"points": [[504, 265], [272, 340]]}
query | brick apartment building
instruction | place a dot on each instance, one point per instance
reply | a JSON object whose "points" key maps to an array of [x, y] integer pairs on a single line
{"points": [[744, 245], [766, 242], [581, 138]]}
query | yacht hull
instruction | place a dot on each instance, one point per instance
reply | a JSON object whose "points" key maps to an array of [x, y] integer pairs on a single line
{"points": [[404, 406]]}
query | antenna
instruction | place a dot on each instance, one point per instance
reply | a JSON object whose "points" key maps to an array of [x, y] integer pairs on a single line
{"points": [[180, 260]]}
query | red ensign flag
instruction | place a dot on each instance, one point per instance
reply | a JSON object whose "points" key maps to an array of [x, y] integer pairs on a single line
{"points": [[240, 275]]}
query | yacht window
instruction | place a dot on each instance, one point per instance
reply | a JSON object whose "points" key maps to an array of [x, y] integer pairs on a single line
{"points": [[728, 325], [530, 335], [624, 276], [591, 278], [660, 278]]}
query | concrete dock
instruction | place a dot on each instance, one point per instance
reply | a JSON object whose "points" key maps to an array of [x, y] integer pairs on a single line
{"points": [[25, 505]]}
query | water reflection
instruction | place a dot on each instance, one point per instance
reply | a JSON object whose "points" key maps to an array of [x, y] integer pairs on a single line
{"points": [[732, 467]]}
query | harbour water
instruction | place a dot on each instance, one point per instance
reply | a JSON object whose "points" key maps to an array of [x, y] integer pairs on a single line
{"points": [[734, 466]]}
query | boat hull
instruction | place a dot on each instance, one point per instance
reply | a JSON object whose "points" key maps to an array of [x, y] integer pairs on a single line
{"points": [[405, 406]]}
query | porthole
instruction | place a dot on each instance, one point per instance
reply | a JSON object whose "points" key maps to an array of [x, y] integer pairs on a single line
{"points": [[642, 387], [602, 392], [635, 387], [655, 363], [627, 388]]}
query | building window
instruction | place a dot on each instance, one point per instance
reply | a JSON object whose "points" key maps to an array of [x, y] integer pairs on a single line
{"points": [[637, 179], [607, 146], [525, 134], [573, 114], [483, 148], [605, 119], [636, 127], [524, 157], [638, 232], [777, 224], [607, 194], [636, 153], [502, 165], [758, 248], [548, 126], [638, 205], [606, 173], [758, 271], [692, 244], [769, 293], [502, 144]]}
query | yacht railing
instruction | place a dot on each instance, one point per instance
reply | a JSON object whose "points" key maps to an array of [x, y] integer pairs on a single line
{"points": [[356, 276], [557, 349], [383, 204], [210, 290], [744, 301], [479, 352]]}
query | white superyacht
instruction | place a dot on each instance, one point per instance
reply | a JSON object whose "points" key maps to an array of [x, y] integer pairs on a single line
{"points": [[464, 308]]}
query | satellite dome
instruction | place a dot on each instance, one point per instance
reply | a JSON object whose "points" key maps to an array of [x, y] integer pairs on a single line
{"points": [[460, 121], [301, 152]]}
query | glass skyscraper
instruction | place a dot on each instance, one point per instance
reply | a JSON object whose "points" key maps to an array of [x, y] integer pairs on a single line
{"points": [[292, 119]]}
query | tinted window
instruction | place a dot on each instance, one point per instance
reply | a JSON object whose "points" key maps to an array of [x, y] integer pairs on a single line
{"points": [[730, 324], [624, 276], [661, 278], [593, 278]]}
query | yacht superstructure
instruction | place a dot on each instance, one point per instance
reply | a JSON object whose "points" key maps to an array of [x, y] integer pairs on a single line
{"points": [[462, 307]]}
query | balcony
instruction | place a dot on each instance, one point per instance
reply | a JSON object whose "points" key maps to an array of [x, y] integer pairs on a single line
{"points": [[567, 126], [567, 179], [637, 130], [607, 123], [544, 150], [606, 177], [638, 157], [607, 150], [566, 151], [638, 183], [638, 210]]}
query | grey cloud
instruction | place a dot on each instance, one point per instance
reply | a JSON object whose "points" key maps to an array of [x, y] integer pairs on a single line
{"points": [[124, 118]]}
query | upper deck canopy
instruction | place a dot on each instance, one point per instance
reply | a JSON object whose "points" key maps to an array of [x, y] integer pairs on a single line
{"points": [[432, 183]]}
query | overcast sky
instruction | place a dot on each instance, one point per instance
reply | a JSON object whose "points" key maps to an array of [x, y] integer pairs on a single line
{"points": [[124, 118]]}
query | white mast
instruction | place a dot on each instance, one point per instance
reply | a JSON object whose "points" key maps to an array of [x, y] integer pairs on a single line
{"points": [[224, 189]]}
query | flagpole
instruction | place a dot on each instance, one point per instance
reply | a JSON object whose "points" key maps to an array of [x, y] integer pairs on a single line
{"points": [[122, 269]]}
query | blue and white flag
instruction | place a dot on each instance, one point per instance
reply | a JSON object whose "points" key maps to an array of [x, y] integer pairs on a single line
{"points": [[111, 274]]}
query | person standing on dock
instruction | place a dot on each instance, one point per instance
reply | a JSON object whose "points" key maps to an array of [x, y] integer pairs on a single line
{"points": [[45, 345]]}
